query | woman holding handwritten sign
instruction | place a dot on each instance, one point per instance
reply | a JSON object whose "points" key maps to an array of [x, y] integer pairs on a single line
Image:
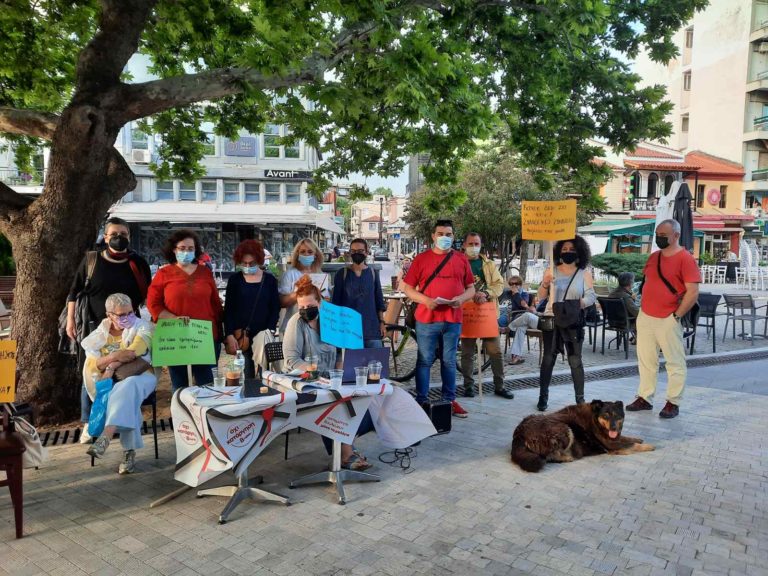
{"points": [[186, 289], [302, 341]]}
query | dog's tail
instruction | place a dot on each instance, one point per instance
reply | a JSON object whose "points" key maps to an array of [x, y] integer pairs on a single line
{"points": [[525, 458]]}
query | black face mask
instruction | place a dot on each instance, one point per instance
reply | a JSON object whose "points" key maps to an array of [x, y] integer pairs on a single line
{"points": [[662, 242], [358, 258], [569, 257], [309, 314], [118, 243]]}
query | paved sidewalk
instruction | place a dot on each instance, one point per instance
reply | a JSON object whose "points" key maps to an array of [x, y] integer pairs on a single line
{"points": [[697, 505]]}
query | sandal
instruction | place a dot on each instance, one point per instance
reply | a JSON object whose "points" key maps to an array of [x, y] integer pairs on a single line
{"points": [[512, 362], [356, 462]]}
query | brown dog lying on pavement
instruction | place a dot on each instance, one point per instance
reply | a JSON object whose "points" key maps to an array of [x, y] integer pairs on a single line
{"points": [[571, 433]]}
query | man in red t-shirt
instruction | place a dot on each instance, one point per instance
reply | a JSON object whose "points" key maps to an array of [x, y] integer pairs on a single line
{"points": [[438, 314], [658, 324]]}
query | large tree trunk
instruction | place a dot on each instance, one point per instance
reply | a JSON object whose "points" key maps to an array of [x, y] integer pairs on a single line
{"points": [[523, 259], [49, 238]]}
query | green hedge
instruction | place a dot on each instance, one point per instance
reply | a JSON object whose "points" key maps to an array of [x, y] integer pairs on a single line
{"points": [[615, 264], [7, 265]]}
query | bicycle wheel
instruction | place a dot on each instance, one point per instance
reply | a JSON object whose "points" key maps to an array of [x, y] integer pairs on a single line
{"points": [[404, 350]]}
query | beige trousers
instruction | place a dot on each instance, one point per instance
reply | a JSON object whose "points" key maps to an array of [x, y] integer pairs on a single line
{"points": [[665, 334]]}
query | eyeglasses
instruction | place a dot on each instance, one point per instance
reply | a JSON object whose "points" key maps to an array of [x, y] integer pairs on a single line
{"points": [[120, 316], [515, 283]]}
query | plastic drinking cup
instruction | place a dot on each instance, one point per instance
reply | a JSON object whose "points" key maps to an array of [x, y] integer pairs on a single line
{"points": [[361, 376]]}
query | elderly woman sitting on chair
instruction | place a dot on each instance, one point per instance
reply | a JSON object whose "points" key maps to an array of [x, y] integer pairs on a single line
{"points": [[120, 349]]}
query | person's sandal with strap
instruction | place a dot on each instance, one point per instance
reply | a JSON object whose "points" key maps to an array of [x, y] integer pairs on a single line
{"points": [[356, 462]]}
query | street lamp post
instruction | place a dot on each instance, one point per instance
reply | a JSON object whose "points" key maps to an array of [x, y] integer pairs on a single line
{"points": [[381, 219]]}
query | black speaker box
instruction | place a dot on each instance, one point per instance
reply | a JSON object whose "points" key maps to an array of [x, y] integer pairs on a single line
{"points": [[440, 414]]}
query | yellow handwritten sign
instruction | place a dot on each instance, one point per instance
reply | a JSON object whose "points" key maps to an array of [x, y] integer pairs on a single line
{"points": [[479, 320], [7, 370], [549, 220]]}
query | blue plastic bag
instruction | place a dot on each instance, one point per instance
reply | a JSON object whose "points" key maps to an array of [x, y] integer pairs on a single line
{"points": [[98, 415]]}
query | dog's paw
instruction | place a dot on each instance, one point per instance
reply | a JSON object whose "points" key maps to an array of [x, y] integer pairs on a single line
{"points": [[644, 448]]}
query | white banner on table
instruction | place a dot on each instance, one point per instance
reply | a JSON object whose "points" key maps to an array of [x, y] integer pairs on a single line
{"points": [[399, 420]]}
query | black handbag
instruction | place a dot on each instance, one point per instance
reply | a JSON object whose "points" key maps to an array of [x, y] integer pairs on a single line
{"points": [[568, 313], [546, 323], [410, 311], [84, 324]]}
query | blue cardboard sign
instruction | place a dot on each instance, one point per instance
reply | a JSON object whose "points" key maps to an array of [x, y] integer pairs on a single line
{"points": [[245, 146], [341, 326]]}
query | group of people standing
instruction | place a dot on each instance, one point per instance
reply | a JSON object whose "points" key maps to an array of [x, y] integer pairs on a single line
{"points": [[111, 285]]}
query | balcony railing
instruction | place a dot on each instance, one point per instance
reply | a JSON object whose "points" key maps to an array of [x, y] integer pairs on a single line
{"points": [[640, 204], [13, 177], [761, 174], [760, 122]]}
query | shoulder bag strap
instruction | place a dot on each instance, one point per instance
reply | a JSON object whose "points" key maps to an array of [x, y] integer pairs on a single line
{"points": [[141, 282], [437, 271], [565, 294], [666, 282]]}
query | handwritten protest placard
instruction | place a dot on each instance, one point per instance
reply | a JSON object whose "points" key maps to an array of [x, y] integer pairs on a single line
{"points": [[178, 344], [479, 320], [340, 326], [549, 220], [7, 370]]}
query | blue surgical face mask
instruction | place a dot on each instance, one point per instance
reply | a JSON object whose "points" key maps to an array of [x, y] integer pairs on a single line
{"points": [[249, 269], [306, 260], [185, 257], [444, 242]]}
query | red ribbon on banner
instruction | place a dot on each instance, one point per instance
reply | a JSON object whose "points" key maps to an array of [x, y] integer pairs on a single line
{"points": [[343, 400]]}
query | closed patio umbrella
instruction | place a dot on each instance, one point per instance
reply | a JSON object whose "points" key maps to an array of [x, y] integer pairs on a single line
{"points": [[684, 216], [665, 208]]}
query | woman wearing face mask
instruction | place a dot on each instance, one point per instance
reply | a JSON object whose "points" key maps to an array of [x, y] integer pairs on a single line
{"points": [[358, 287], [119, 339], [186, 289], [302, 340], [572, 282], [252, 301], [306, 258]]}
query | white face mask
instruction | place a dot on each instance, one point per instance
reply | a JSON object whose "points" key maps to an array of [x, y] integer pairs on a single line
{"points": [[472, 251], [444, 242]]}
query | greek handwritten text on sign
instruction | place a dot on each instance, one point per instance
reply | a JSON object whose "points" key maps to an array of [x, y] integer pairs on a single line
{"points": [[7, 370], [177, 344], [549, 220]]}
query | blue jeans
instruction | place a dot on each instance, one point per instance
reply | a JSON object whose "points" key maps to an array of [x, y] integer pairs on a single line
{"points": [[444, 335], [85, 405], [201, 372], [375, 343]]}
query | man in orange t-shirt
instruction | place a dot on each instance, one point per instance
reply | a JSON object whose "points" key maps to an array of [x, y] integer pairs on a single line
{"points": [[658, 324], [438, 314]]}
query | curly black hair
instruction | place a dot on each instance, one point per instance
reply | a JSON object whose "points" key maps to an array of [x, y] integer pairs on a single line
{"points": [[582, 250], [169, 249]]}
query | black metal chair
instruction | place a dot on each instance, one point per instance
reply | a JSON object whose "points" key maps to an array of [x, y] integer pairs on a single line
{"points": [[150, 400], [615, 319], [708, 304], [742, 308], [592, 321], [273, 352]]}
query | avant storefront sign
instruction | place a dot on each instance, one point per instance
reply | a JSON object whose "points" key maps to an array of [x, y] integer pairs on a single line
{"points": [[288, 174]]}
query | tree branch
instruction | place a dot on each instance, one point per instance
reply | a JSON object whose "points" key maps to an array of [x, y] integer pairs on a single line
{"points": [[120, 177], [11, 204], [28, 123], [103, 59]]}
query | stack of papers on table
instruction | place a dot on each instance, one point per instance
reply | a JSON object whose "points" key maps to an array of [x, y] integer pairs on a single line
{"points": [[218, 395]]}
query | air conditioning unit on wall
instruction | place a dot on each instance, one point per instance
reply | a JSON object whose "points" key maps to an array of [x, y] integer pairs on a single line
{"points": [[141, 156]]}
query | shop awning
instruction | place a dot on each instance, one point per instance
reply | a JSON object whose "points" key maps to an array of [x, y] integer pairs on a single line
{"points": [[619, 228], [326, 223]]}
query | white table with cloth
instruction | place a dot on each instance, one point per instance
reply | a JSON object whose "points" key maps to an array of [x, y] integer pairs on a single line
{"points": [[217, 430]]}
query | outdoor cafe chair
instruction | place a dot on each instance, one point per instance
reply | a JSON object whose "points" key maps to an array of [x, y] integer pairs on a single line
{"points": [[11, 451], [708, 304], [719, 276], [742, 308], [150, 401], [616, 319]]}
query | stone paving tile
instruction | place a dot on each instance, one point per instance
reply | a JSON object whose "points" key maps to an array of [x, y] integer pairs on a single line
{"points": [[697, 505]]}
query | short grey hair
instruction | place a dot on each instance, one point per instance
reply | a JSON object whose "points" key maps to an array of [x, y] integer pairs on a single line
{"points": [[115, 300], [674, 223]]}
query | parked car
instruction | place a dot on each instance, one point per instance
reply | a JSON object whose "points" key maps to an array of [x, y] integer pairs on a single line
{"points": [[381, 254]]}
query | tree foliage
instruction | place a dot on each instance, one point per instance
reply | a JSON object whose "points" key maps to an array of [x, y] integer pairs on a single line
{"points": [[615, 264]]}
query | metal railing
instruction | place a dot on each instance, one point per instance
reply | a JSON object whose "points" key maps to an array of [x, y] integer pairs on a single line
{"points": [[761, 174], [761, 121], [640, 204], [13, 177]]}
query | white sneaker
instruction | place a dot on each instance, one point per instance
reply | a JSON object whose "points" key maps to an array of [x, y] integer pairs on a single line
{"points": [[85, 437], [128, 465]]}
